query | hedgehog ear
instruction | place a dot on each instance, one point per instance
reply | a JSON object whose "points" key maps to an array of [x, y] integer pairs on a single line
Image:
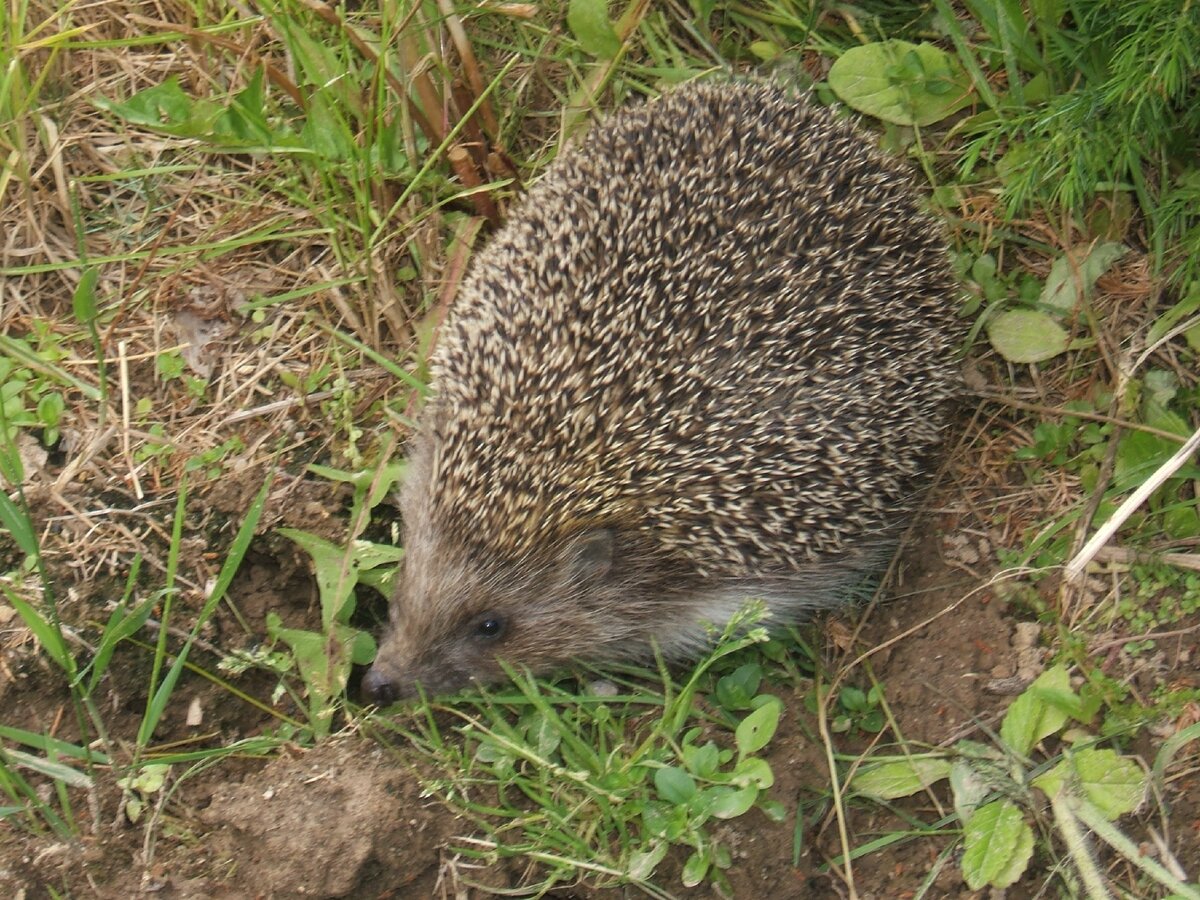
{"points": [[589, 554]]}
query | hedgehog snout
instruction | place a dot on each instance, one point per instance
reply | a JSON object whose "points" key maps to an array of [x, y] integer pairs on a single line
{"points": [[380, 688]]}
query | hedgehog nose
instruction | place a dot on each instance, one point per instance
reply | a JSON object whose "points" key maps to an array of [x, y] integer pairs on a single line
{"points": [[379, 688]]}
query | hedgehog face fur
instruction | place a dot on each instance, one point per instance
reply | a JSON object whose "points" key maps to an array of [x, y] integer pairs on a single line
{"points": [[708, 360]]}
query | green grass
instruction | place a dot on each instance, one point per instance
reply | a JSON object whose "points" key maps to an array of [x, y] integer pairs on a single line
{"points": [[319, 183], [600, 783]]}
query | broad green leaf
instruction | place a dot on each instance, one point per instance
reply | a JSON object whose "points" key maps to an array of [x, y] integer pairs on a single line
{"points": [[968, 786], [545, 735], [899, 82], [756, 730], [133, 809], [588, 21], [702, 761], [643, 863], [1115, 784], [165, 104], [325, 130], [1026, 336], [996, 845], [149, 779], [245, 119], [50, 408], [1030, 718], [674, 784], [736, 690], [308, 648], [1112, 783], [168, 108], [695, 869], [362, 648], [336, 576], [755, 771], [902, 778], [773, 810], [369, 555], [729, 802], [383, 580], [1073, 275], [765, 50]]}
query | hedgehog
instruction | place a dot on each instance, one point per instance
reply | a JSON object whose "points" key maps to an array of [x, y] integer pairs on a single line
{"points": [[708, 360]]}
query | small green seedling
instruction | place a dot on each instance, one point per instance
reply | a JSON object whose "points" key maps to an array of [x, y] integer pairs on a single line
{"points": [[1088, 789], [602, 786], [324, 659]]}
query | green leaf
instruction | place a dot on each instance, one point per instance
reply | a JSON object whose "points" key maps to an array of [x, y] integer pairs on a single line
{"points": [[1182, 310], [765, 50], [84, 300], [756, 730], [368, 555], [233, 559], [902, 778], [362, 648], [674, 784], [167, 108], [325, 131], [245, 119], [969, 785], [695, 869], [588, 21], [998, 845], [702, 761], [899, 82], [853, 699], [149, 779], [1030, 718], [15, 521], [736, 690], [643, 863], [336, 574], [1074, 275], [755, 771], [774, 810], [12, 471], [729, 802], [162, 105], [50, 768], [123, 623], [53, 746], [46, 632], [1026, 336], [50, 409], [1114, 784]]}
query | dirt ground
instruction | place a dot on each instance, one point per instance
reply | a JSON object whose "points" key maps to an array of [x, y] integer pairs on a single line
{"points": [[350, 818]]}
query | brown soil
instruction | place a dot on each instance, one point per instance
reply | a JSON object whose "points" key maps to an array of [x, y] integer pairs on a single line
{"points": [[350, 819]]}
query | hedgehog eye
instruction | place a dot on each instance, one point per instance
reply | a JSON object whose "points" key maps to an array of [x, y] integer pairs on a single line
{"points": [[489, 626]]}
